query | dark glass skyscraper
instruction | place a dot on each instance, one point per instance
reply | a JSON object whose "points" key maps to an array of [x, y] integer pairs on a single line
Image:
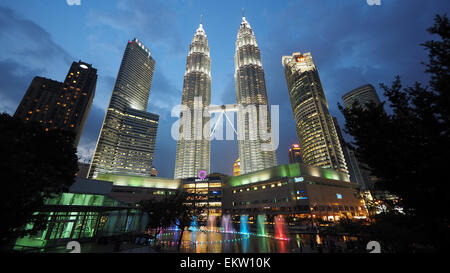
{"points": [[251, 91], [317, 136], [362, 95], [295, 155], [127, 140], [59, 105], [193, 148]]}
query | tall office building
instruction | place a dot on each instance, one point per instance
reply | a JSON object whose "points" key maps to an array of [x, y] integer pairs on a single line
{"points": [[126, 142], [353, 168], [193, 149], [362, 95], [237, 167], [61, 105], [317, 136], [251, 91], [295, 155]]}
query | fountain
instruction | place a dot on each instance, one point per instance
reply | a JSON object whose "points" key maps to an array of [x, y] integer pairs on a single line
{"points": [[280, 228], [244, 224], [261, 225], [227, 227], [177, 224], [211, 222], [193, 226]]}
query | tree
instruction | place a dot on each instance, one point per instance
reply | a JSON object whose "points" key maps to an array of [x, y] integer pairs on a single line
{"points": [[159, 215], [183, 214], [36, 165], [169, 211], [408, 150]]}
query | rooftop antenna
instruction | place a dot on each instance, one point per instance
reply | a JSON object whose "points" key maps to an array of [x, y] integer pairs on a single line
{"points": [[201, 19], [243, 14]]}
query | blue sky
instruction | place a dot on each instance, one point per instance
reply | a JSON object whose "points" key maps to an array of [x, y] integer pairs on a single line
{"points": [[351, 42]]}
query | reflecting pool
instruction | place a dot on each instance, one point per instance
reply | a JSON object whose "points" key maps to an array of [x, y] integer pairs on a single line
{"points": [[215, 240]]}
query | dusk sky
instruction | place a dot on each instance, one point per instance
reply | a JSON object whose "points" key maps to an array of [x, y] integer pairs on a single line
{"points": [[352, 43]]}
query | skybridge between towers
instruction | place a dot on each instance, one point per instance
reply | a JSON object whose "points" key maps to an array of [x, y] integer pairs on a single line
{"points": [[222, 109]]}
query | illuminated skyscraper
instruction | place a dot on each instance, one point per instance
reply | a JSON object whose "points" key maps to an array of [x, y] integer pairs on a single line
{"points": [[295, 154], [317, 136], [193, 149], [127, 140], [251, 91], [237, 167], [59, 105]]}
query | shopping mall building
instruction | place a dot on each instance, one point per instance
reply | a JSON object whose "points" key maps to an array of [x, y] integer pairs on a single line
{"points": [[297, 191], [99, 208]]}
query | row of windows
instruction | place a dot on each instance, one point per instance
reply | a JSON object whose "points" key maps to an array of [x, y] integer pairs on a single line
{"points": [[261, 187]]}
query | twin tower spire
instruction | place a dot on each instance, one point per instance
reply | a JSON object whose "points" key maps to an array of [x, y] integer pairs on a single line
{"points": [[193, 148]]}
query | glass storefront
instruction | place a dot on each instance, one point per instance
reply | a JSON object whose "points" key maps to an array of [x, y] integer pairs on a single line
{"points": [[74, 216]]}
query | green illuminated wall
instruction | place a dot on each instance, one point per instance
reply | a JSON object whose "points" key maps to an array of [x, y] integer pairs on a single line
{"points": [[140, 181], [287, 170]]}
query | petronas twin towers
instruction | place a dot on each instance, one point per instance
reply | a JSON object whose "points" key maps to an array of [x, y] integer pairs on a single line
{"points": [[193, 151]]}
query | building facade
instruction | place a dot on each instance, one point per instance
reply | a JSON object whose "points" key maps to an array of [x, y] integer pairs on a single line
{"points": [[294, 154], [317, 136], [204, 195], [237, 167], [127, 139], [298, 191], [59, 105], [132, 189], [193, 147], [362, 95], [85, 213], [251, 97]]}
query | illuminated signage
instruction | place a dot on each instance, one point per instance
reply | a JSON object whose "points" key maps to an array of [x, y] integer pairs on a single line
{"points": [[298, 179], [300, 59], [202, 174], [339, 196]]}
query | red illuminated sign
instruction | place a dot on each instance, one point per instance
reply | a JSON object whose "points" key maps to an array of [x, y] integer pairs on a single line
{"points": [[300, 59]]}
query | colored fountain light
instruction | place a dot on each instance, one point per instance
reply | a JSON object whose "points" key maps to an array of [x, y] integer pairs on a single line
{"points": [[211, 222], [261, 225], [244, 224], [226, 224], [280, 227], [193, 226], [177, 225]]}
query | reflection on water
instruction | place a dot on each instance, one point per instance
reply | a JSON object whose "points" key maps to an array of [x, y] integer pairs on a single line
{"points": [[206, 241]]}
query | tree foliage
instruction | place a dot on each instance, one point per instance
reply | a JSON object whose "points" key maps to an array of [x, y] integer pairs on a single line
{"points": [[169, 211], [35, 165], [407, 150]]}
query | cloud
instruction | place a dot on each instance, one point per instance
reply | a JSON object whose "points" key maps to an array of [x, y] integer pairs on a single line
{"points": [[14, 82], [163, 95], [27, 51], [25, 40], [351, 43], [148, 20], [91, 131]]}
